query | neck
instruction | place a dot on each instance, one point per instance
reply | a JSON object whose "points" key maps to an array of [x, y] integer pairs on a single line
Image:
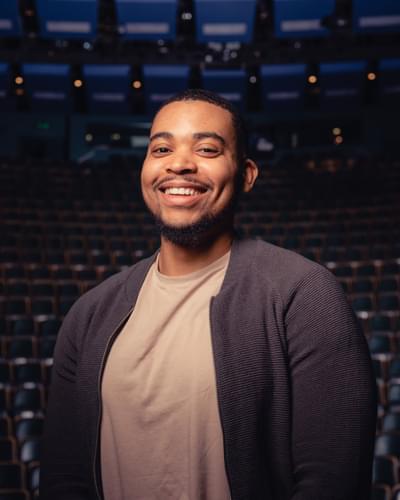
{"points": [[176, 260]]}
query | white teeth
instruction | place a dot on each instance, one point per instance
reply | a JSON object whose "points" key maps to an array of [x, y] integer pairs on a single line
{"points": [[181, 191]]}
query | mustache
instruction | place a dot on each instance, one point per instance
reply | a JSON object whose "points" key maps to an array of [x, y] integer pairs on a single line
{"points": [[182, 178]]}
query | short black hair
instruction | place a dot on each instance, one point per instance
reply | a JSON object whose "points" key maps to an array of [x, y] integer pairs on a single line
{"points": [[241, 136]]}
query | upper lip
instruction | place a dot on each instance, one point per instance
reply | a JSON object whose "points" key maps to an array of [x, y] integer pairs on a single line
{"points": [[198, 186]]}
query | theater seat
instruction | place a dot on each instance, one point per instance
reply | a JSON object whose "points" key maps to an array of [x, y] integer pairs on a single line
{"points": [[391, 422], [41, 307], [118, 244], [23, 347], [381, 386], [15, 306], [30, 451], [86, 274], [380, 323], [49, 327], [385, 470], [100, 259], [47, 368], [12, 476], [4, 399], [26, 428], [366, 270], [380, 492], [5, 425], [65, 305], [396, 492], [362, 304], [15, 271], [362, 286], [343, 271], [388, 285], [46, 347], [8, 449], [39, 273], [78, 258], [17, 288], [14, 495], [394, 369], [29, 398], [107, 272], [67, 289], [389, 303], [380, 363], [63, 273], [387, 444], [122, 259], [390, 268], [26, 371], [34, 478], [22, 326], [5, 372], [96, 244], [42, 289], [394, 395], [381, 344]]}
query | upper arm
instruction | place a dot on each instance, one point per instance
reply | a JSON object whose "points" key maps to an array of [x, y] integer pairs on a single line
{"points": [[333, 393], [62, 474]]}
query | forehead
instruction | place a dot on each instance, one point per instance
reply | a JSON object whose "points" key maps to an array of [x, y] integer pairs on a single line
{"points": [[188, 117]]}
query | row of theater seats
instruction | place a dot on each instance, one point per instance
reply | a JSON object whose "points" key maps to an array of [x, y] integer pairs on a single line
{"points": [[66, 229], [126, 256], [19, 481], [364, 282], [52, 297]]}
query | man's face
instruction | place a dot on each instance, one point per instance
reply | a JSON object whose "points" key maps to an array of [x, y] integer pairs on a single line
{"points": [[189, 173]]}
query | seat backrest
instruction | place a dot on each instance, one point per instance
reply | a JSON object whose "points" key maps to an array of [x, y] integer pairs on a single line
{"points": [[387, 444], [12, 476], [391, 422], [385, 470], [380, 492], [30, 451]]}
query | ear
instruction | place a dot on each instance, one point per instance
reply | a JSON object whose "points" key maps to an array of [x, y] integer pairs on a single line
{"points": [[250, 174]]}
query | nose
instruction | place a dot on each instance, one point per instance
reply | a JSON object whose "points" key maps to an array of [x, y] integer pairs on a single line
{"points": [[181, 163]]}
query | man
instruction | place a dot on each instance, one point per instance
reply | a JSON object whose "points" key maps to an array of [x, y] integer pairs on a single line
{"points": [[217, 368]]}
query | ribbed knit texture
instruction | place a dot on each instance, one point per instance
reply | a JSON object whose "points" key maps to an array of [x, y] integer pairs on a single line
{"points": [[294, 380]]}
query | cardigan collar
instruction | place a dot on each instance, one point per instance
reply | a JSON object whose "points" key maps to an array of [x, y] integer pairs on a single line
{"points": [[241, 252]]}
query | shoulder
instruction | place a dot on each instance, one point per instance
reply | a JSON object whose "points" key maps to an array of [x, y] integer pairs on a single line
{"points": [[276, 263], [285, 272], [120, 287]]}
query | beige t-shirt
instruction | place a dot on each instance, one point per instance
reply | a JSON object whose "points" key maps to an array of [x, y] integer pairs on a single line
{"points": [[161, 435]]}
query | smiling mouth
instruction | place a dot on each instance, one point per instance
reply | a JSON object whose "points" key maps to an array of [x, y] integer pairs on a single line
{"points": [[182, 191], [188, 190]]}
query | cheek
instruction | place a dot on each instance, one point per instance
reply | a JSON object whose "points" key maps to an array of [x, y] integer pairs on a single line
{"points": [[227, 181], [146, 185], [146, 176]]}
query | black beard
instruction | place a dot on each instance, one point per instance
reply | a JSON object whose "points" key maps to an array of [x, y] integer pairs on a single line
{"points": [[199, 234], [202, 233]]}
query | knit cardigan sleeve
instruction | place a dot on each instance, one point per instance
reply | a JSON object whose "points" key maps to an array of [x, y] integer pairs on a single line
{"points": [[62, 475], [333, 393]]}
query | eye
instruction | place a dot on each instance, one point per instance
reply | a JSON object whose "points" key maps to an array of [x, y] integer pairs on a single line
{"points": [[161, 150], [208, 150]]}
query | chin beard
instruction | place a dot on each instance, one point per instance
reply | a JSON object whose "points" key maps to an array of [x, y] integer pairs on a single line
{"points": [[198, 234], [202, 233]]}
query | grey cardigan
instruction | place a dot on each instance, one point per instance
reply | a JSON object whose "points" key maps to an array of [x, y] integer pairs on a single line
{"points": [[295, 387]]}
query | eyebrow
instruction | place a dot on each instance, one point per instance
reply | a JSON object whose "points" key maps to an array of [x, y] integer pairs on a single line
{"points": [[198, 136], [161, 135], [209, 135]]}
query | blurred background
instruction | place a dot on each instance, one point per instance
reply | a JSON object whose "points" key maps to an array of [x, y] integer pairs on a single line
{"points": [[319, 84]]}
